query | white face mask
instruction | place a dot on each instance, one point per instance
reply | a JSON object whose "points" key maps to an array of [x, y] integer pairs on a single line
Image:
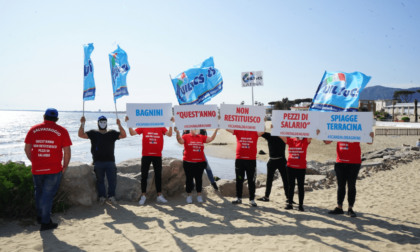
{"points": [[102, 124]]}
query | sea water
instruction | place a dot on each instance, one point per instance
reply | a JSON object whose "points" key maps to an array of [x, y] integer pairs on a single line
{"points": [[14, 126]]}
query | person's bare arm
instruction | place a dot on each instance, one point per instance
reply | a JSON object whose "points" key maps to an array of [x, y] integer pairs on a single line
{"points": [[284, 139], [169, 132], [327, 142], [372, 135], [122, 130], [210, 139], [66, 158], [178, 136], [28, 148], [81, 132], [309, 140], [230, 131], [132, 132]]}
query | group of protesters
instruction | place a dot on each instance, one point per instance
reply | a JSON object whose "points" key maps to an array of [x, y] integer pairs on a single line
{"points": [[46, 142]]}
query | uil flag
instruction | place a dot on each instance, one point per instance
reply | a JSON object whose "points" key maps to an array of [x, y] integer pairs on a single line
{"points": [[88, 80], [119, 69], [339, 92], [198, 84]]}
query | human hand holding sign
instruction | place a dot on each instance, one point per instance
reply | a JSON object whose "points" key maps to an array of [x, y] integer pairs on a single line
{"points": [[126, 119]]}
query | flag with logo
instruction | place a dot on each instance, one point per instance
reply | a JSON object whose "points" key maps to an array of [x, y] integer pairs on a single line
{"points": [[89, 88], [118, 63], [339, 92], [198, 84]]}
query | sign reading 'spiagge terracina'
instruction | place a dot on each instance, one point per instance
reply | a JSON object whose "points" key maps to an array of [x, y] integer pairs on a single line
{"points": [[345, 127], [149, 115], [237, 117], [294, 123], [196, 117]]}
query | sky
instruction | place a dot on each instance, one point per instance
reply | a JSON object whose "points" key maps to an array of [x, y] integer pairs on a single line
{"points": [[292, 42]]}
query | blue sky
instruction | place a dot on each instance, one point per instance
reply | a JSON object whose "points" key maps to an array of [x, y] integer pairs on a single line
{"points": [[293, 42]]}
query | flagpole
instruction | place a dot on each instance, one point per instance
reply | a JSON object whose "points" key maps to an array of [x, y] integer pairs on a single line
{"points": [[116, 113], [252, 94]]}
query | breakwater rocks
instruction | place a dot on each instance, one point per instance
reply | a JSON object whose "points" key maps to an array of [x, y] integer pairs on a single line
{"points": [[79, 181]]}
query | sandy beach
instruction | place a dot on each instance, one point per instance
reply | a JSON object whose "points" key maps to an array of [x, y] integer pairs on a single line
{"points": [[387, 205]]}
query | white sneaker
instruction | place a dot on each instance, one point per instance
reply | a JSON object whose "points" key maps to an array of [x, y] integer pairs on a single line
{"points": [[113, 201], [102, 200], [142, 200], [199, 199], [189, 199], [161, 199]]}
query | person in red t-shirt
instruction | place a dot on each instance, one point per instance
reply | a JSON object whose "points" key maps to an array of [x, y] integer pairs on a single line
{"points": [[246, 162], [347, 167], [44, 145], [194, 159]]}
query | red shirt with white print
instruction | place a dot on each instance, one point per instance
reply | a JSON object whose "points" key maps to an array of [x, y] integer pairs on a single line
{"points": [[48, 140], [246, 144], [297, 152], [194, 148], [152, 141], [349, 153]]}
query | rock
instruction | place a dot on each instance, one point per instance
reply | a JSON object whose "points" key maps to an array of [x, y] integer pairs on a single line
{"points": [[132, 165], [312, 171], [261, 152], [227, 188], [308, 189], [415, 148], [277, 175], [79, 183], [128, 187], [391, 158], [330, 162], [375, 154], [371, 164], [331, 173]]}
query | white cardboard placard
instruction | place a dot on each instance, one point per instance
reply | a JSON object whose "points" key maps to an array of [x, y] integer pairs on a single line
{"points": [[241, 117], [294, 123], [196, 117], [345, 126], [149, 115]]}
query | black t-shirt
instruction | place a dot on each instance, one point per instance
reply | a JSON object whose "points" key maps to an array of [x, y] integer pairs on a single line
{"points": [[276, 146], [103, 145]]}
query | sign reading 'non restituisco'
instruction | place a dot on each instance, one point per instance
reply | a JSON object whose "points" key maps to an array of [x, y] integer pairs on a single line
{"points": [[250, 79], [237, 117]]}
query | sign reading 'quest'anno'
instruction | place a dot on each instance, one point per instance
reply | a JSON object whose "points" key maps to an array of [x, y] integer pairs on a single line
{"points": [[196, 117], [236, 117], [294, 123]]}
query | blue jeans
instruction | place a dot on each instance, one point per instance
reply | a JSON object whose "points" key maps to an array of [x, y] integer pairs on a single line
{"points": [[110, 169], [209, 172], [46, 186]]}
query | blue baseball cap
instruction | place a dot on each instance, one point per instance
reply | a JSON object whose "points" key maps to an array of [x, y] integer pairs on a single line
{"points": [[52, 112], [102, 118]]}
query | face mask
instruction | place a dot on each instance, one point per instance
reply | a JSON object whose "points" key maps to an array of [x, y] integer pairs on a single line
{"points": [[102, 125]]}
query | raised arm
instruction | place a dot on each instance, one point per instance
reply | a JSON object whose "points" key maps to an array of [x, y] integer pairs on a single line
{"points": [[132, 132], [178, 136], [210, 139], [122, 130], [371, 135], [284, 139], [230, 131], [169, 132], [81, 132]]}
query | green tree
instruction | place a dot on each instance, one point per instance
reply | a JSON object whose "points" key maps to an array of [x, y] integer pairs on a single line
{"points": [[404, 95]]}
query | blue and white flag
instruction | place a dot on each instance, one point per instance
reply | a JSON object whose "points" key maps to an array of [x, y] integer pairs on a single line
{"points": [[198, 84], [339, 92], [89, 88], [119, 69]]}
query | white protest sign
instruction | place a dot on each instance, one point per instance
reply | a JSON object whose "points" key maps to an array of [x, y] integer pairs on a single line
{"points": [[294, 123], [239, 117], [345, 126], [149, 115], [254, 78], [196, 117]]}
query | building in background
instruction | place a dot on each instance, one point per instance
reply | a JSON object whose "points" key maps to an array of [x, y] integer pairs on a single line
{"points": [[381, 104], [401, 109], [370, 105]]}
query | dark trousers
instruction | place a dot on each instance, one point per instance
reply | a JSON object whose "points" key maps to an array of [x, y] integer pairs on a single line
{"points": [[299, 175], [157, 167], [110, 169], [194, 171], [272, 166], [250, 168], [346, 174], [46, 187]]}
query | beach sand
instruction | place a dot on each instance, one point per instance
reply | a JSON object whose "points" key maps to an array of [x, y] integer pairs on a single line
{"points": [[387, 205]]}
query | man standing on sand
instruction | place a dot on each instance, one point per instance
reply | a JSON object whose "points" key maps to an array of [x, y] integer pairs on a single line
{"points": [[44, 145], [246, 162], [151, 154], [347, 167], [102, 149]]}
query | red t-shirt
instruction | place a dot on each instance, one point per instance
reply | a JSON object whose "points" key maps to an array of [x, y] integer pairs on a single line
{"points": [[152, 141], [48, 140], [194, 148], [349, 153], [246, 144], [297, 153]]}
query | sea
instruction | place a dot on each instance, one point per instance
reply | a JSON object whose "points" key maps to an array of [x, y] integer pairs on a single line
{"points": [[14, 126]]}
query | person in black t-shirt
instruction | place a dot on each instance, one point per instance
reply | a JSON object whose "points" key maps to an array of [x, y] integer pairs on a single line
{"points": [[102, 149], [276, 149]]}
